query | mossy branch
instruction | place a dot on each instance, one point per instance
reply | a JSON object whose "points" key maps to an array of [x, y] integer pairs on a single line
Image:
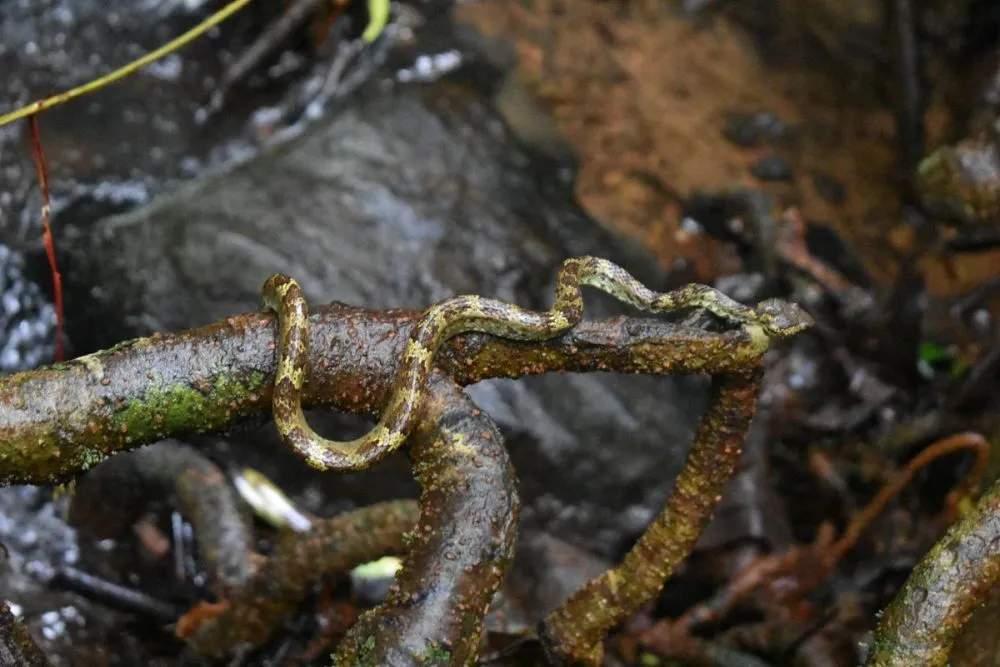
{"points": [[460, 550], [250, 615], [919, 627], [60, 420], [574, 632], [17, 648]]}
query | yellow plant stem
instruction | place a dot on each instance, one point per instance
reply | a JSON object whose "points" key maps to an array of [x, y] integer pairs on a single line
{"points": [[378, 16], [378, 12]]}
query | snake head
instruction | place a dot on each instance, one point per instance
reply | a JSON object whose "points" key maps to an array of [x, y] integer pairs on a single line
{"points": [[782, 319]]}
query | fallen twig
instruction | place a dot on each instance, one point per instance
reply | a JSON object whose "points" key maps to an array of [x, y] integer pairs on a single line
{"points": [[121, 487], [251, 614]]}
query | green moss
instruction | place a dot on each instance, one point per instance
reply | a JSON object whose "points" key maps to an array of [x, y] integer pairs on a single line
{"points": [[90, 458], [124, 345], [365, 656], [436, 655], [169, 408]]}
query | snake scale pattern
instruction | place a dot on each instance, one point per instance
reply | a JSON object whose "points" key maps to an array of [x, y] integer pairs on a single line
{"points": [[468, 314]]}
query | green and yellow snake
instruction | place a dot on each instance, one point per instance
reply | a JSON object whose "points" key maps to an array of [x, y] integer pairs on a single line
{"points": [[467, 314]]}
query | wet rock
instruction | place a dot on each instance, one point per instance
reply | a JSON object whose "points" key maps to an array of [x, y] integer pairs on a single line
{"points": [[961, 183], [772, 168], [36, 541], [36, 537], [133, 140], [548, 571], [65, 44], [753, 130], [830, 189], [404, 198], [27, 318]]}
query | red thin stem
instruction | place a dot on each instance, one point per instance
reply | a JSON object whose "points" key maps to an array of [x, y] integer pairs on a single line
{"points": [[50, 248]]}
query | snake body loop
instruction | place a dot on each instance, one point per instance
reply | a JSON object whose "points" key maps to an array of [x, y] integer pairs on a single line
{"points": [[468, 314]]}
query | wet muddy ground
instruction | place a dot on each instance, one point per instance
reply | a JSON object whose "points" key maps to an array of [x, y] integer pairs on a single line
{"points": [[660, 105]]}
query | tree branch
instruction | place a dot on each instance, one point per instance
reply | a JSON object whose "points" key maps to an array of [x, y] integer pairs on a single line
{"points": [[113, 495], [461, 549], [923, 620], [17, 648], [252, 614], [58, 420], [574, 632], [61, 419]]}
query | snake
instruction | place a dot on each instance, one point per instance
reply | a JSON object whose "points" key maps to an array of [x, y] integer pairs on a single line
{"points": [[475, 314]]}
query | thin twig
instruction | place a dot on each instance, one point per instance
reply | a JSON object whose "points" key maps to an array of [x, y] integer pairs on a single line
{"points": [[114, 595], [943, 447], [50, 248]]}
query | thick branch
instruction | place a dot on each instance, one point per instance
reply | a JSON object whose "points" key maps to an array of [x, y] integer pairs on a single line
{"points": [[923, 620], [461, 549], [61, 419]]}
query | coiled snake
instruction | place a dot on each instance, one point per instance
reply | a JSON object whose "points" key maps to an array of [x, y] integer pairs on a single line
{"points": [[467, 314]]}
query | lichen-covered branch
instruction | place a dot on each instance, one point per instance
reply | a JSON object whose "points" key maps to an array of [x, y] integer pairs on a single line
{"points": [[923, 620], [462, 547], [17, 648], [252, 614], [574, 633], [59, 420]]}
